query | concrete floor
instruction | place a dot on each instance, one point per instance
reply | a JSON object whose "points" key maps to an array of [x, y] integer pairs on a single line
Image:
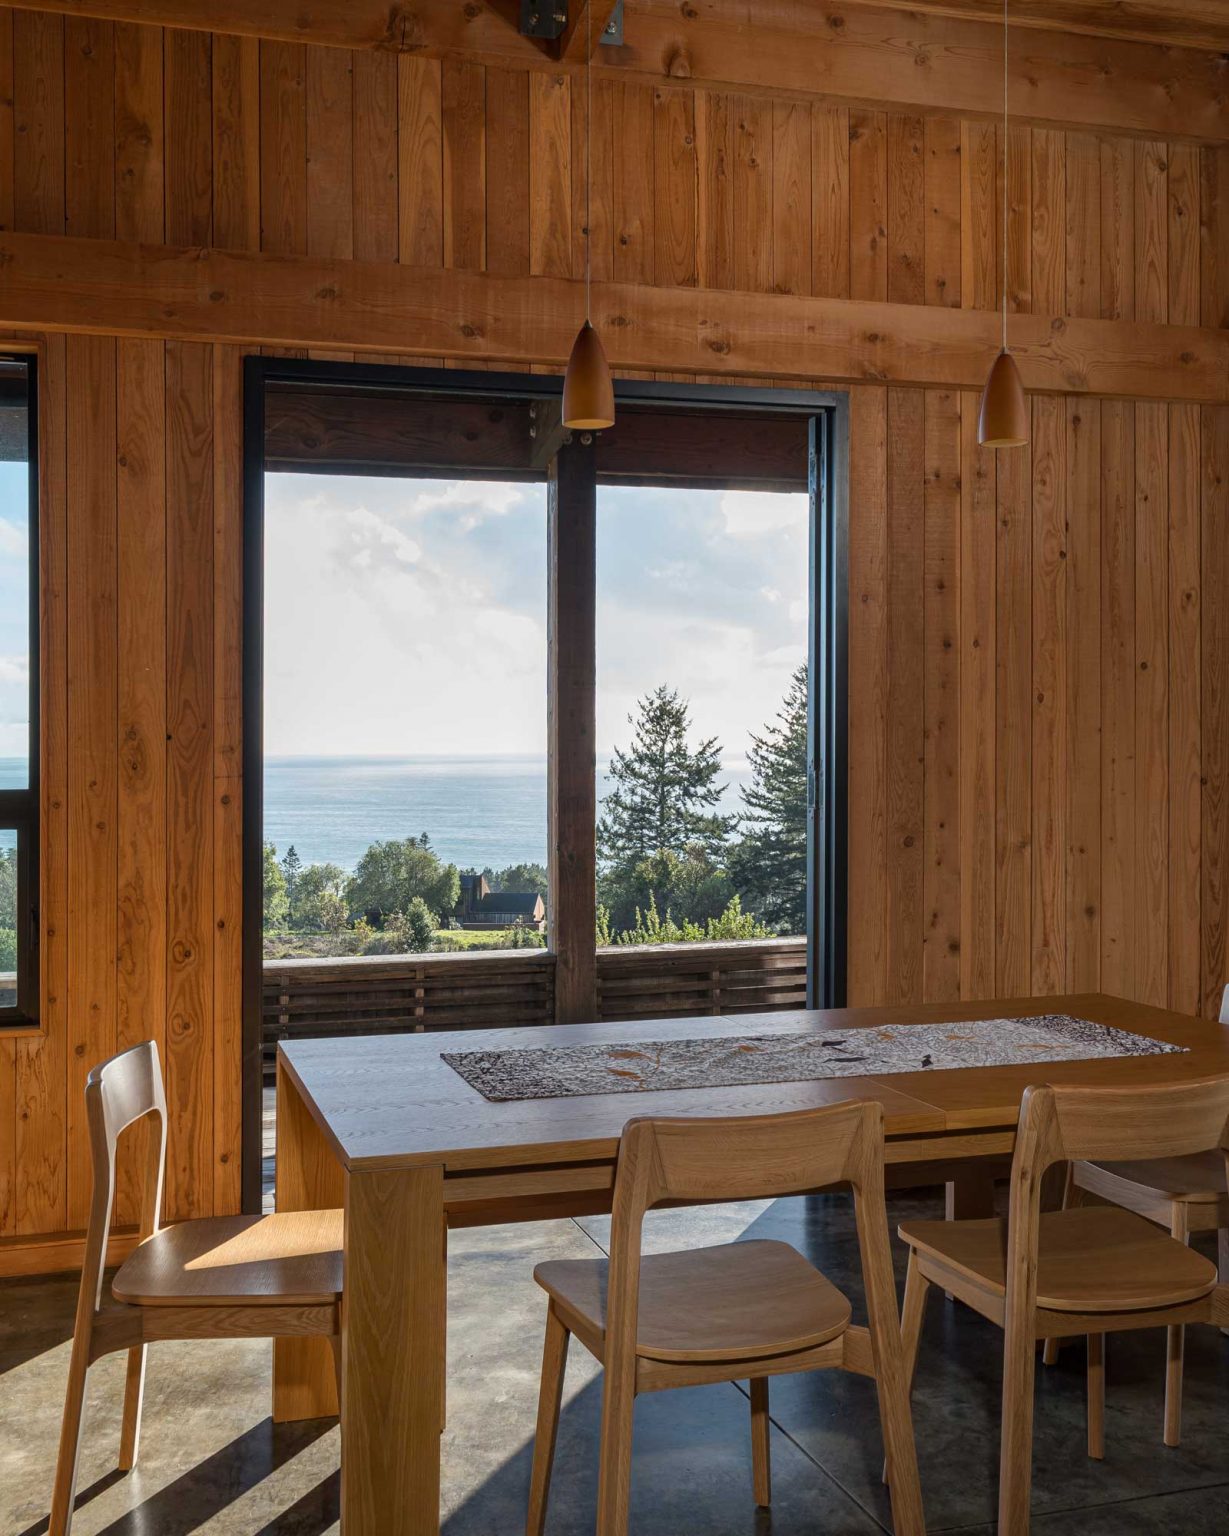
{"points": [[212, 1461]]}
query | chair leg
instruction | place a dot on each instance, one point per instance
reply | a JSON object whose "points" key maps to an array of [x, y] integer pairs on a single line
{"points": [[1175, 1347], [70, 1441], [335, 1344], [615, 1471], [1096, 1396], [761, 1456], [554, 1362], [1016, 1448], [1222, 1253], [1073, 1195], [913, 1310], [134, 1392]]}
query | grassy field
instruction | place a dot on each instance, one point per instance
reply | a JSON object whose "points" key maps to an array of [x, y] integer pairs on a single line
{"points": [[325, 946], [475, 938]]}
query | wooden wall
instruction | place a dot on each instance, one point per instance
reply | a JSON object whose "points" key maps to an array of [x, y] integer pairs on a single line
{"points": [[1039, 643]]}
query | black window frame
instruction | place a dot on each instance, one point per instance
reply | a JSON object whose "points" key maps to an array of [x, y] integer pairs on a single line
{"points": [[19, 808], [827, 725]]}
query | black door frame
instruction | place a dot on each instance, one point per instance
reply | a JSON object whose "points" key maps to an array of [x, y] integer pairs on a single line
{"points": [[827, 724]]}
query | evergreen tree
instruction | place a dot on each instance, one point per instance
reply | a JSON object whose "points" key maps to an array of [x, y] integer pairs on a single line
{"points": [[769, 865], [292, 867], [275, 906], [420, 924], [664, 790]]}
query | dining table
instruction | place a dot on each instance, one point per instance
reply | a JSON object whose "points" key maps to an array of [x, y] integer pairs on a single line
{"points": [[386, 1127]]}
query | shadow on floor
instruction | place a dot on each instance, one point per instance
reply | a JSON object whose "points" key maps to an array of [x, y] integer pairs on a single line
{"points": [[210, 1487]]}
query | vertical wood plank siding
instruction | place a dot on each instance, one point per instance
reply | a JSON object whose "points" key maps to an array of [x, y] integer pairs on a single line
{"points": [[1039, 643]]}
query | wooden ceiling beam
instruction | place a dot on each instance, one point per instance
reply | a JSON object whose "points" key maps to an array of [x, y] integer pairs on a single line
{"points": [[62, 283], [856, 53], [1172, 23]]}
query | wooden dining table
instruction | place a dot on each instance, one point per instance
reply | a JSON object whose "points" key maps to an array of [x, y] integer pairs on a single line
{"points": [[384, 1126]]}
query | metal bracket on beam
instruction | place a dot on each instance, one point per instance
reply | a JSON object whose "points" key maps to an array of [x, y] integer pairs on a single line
{"points": [[613, 33], [549, 18], [543, 18], [546, 430]]}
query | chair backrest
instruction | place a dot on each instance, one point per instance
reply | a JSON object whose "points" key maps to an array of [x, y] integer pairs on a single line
{"points": [[741, 1159], [1107, 1124], [122, 1090], [1101, 1124]]}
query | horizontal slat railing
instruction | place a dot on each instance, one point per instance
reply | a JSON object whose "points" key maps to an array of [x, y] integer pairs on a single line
{"points": [[310, 998], [656, 980], [306, 999]]}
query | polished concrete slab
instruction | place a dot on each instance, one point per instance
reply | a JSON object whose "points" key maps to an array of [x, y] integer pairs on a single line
{"points": [[212, 1461]]}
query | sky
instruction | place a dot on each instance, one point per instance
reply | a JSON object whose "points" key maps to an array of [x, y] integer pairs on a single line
{"points": [[408, 617], [14, 612]]}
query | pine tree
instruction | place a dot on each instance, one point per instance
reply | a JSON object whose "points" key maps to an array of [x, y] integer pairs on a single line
{"points": [[292, 866], [664, 791], [769, 865], [275, 905]]}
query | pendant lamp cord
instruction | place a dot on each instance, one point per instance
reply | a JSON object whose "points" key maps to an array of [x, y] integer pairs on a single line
{"points": [[588, 4], [1005, 163]]}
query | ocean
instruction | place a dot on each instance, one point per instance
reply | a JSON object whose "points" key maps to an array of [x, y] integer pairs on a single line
{"points": [[478, 811]]}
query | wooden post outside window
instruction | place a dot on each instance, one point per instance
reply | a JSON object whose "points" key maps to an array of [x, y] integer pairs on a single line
{"points": [[572, 729]]}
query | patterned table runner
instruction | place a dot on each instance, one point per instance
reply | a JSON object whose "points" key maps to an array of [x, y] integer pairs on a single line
{"points": [[553, 1072]]}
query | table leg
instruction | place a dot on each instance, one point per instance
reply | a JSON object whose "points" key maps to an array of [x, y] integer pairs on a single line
{"points": [[309, 1178], [972, 1194], [392, 1352]]}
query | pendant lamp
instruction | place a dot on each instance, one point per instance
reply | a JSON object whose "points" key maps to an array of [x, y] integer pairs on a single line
{"points": [[588, 394], [1003, 420]]}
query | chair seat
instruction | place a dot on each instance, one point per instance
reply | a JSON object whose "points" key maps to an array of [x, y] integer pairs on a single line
{"points": [[739, 1301], [1091, 1259], [289, 1259], [1199, 1177]]}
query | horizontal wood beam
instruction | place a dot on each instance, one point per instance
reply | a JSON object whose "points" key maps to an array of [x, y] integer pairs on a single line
{"points": [[1174, 23], [342, 431], [60, 283], [872, 55]]}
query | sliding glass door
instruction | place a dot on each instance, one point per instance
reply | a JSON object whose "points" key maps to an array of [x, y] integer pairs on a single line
{"points": [[539, 726]]}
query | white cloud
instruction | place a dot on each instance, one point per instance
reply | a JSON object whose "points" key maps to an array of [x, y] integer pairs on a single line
{"points": [[14, 539], [751, 514], [409, 617]]}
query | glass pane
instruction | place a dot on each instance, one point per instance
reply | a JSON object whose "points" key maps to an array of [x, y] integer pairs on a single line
{"points": [[14, 579], [702, 617], [8, 919], [405, 715]]}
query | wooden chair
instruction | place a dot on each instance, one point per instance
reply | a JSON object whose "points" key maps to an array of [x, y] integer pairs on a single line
{"points": [[1088, 1270], [1182, 1194], [218, 1278], [742, 1311]]}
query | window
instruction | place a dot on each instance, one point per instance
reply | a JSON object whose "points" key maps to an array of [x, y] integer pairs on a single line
{"points": [[703, 619], [18, 694], [404, 715]]}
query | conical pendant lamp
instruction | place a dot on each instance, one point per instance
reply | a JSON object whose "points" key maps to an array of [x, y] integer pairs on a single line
{"points": [[1003, 420], [588, 394]]}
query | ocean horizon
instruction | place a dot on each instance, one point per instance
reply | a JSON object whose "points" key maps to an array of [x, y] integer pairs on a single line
{"points": [[479, 811]]}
